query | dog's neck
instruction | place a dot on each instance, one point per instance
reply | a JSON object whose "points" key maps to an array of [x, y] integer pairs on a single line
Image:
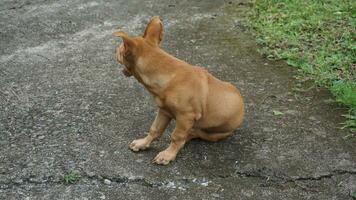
{"points": [[156, 69]]}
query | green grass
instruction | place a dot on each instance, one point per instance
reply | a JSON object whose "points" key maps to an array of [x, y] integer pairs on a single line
{"points": [[71, 177], [353, 195], [316, 36]]}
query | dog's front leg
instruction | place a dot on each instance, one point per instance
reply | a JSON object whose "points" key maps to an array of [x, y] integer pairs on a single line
{"points": [[157, 128], [178, 138]]}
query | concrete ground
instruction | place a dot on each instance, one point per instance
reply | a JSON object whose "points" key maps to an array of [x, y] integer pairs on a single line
{"points": [[65, 106]]}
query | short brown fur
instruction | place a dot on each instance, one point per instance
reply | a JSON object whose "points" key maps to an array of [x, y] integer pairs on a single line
{"points": [[202, 105]]}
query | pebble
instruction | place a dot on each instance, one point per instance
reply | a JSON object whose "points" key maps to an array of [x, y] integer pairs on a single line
{"points": [[312, 118], [107, 181], [205, 184], [291, 112], [18, 181], [91, 174], [215, 195], [181, 188], [268, 129]]}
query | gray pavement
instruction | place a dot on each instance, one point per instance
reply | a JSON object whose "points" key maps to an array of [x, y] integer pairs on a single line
{"points": [[65, 106]]}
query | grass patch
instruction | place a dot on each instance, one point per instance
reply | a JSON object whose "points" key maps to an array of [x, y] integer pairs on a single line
{"points": [[316, 36], [353, 195], [71, 177]]}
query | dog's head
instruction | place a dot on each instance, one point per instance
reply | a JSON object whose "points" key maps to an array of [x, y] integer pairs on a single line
{"points": [[132, 47]]}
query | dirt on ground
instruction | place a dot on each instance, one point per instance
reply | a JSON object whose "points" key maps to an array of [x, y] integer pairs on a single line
{"points": [[65, 107]]}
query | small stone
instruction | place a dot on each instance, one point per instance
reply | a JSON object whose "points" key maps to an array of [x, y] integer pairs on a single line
{"points": [[291, 112], [328, 101], [107, 181], [320, 133], [102, 196], [171, 185], [41, 137], [205, 184], [91, 174], [18, 181], [247, 193], [3, 170], [215, 195], [312, 118], [30, 164], [268, 129], [181, 188], [281, 158]]}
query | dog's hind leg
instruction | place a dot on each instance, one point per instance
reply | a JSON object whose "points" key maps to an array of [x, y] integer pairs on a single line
{"points": [[211, 137]]}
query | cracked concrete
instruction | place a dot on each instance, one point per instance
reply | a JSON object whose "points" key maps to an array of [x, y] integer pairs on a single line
{"points": [[64, 105]]}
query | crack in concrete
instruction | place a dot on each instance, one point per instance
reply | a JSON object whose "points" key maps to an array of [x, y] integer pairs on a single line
{"points": [[273, 176], [182, 183], [28, 181], [121, 180], [279, 180], [266, 174], [329, 175]]}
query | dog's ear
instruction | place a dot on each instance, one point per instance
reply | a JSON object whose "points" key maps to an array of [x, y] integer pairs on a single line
{"points": [[154, 31], [129, 43]]}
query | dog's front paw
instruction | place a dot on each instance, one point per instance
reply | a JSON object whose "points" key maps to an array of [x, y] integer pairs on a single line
{"points": [[139, 144], [164, 157]]}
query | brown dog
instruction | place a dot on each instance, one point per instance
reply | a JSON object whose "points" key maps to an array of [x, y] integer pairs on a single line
{"points": [[202, 105]]}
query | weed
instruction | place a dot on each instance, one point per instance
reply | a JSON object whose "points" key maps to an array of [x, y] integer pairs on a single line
{"points": [[71, 177], [353, 195], [277, 113]]}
